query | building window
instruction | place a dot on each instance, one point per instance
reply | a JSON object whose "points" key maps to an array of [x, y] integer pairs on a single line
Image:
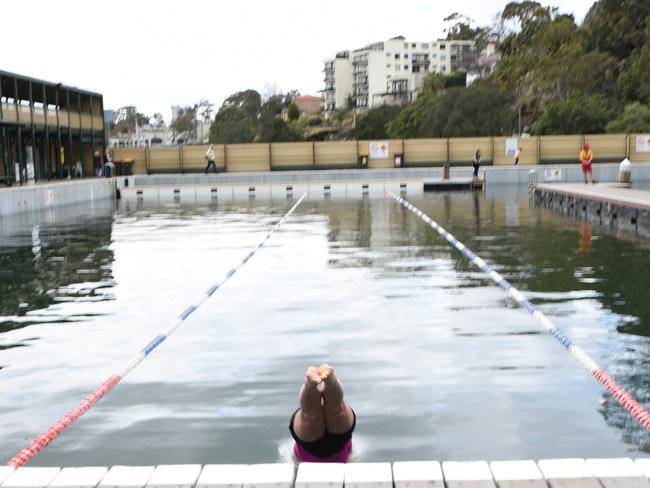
{"points": [[443, 68], [413, 45], [434, 55], [425, 45], [416, 69], [442, 57], [388, 76], [406, 66], [396, 56], [406, 45], [442, 46], [388, 65], [397, 67], [406, 56], [387, 54]]}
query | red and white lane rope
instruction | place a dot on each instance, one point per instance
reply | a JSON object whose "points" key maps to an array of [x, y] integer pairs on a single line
{"points": [[624, 398], [64, 422]]}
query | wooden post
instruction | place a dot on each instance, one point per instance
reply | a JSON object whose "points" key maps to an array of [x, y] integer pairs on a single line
{"points": [[180, 158], [225, 158], [313, 154], [146, 159], [270, 157], [539, 149]]}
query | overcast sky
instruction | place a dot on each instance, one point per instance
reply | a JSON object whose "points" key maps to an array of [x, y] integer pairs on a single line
{"points": [[154, 54]]}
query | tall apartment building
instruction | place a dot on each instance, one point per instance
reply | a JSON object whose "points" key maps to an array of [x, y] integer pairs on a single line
{"points": [[338, 81], [390, 72]]}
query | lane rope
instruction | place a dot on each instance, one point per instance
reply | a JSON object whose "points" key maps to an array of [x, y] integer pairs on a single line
{"points": [[64, 422], [626, 400]]}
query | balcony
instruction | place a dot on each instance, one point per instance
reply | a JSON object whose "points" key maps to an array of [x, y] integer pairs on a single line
{"points": [[41, 117]]}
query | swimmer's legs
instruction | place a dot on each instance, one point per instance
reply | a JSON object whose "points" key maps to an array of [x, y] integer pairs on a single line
{"points": [[309, 422], [338, 414]]}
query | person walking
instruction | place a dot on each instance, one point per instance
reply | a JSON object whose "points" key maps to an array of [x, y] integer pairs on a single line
{"points": [[517, 154], [209, 155], [477, 162]]}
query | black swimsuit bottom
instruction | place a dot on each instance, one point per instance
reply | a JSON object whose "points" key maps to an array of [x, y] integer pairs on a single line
{"points": [[326, 446]]}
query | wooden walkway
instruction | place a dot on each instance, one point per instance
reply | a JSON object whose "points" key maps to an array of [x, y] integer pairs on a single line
{"points": [[548, 473]]}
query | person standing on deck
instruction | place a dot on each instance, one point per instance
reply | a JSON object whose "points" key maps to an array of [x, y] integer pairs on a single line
{"points": [[209, 155], [477, 162], [97, 163], [586, 157]]}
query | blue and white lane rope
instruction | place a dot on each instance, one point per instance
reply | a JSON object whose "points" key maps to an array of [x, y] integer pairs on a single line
{"points": [[617, 391], [64, 422]]}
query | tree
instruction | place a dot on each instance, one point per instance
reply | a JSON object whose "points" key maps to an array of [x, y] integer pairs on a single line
{"points": [[157, 120], [373, 124], [576, 115], [236, 120], [482, 109], [634, 118], [127, 118], [185, 121], [617, 27], [294, 112]]}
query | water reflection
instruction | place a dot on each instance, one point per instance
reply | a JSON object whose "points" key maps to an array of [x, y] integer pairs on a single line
{"points": [[54, 257]]}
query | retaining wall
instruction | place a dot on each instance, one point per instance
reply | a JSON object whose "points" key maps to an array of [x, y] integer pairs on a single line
{"points": [[42, 196]]}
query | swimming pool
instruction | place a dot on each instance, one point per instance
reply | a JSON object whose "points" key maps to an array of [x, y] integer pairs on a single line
{"points": [[437, 362]]}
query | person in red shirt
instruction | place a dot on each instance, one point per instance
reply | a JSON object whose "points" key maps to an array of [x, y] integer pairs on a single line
{"points": [[586, 157]]}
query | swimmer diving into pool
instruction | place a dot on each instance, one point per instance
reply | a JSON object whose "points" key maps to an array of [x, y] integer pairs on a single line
{"points": [[322, 427]]}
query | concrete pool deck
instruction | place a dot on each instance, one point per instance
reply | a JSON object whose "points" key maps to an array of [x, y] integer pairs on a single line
{"points": [[610, 204], [546, 473]]}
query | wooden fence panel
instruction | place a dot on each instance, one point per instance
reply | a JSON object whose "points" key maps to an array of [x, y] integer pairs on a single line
{"points": [[337, 154], [247, 157], [607, 147], [164, 159], [292, 155], [425, 152], [560, 149]]}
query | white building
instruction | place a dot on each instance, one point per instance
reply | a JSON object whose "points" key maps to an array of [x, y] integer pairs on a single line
{"points": [[390, 72], [338, 81]]}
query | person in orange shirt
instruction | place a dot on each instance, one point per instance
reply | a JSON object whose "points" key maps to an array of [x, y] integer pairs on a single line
{"points": [[586, 157]]}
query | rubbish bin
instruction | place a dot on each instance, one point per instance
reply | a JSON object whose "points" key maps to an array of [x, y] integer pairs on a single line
{"points": [[127, 165], [363, 160], [399, 157], [624, 172], [445, 171]]}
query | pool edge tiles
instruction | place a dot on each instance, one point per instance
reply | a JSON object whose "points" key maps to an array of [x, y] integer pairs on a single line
{"points": [[418, 474], [39, 477], [467, 474], [320, 475], [84, 477]]}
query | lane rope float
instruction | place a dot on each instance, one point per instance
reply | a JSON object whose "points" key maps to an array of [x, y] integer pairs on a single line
{"points": [[626, 400], [64, 422]]}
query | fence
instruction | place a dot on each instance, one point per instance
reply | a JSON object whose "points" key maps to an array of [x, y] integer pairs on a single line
{"points": [[347, 154]]}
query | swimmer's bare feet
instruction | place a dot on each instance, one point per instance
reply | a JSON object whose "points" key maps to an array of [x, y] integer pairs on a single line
{"points": [[313, 377], [332, 392]]}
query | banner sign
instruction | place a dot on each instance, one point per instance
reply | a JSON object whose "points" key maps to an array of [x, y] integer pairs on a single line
{"points": [[379, 150], [511, 146], [552, 174], [643, 143]]}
